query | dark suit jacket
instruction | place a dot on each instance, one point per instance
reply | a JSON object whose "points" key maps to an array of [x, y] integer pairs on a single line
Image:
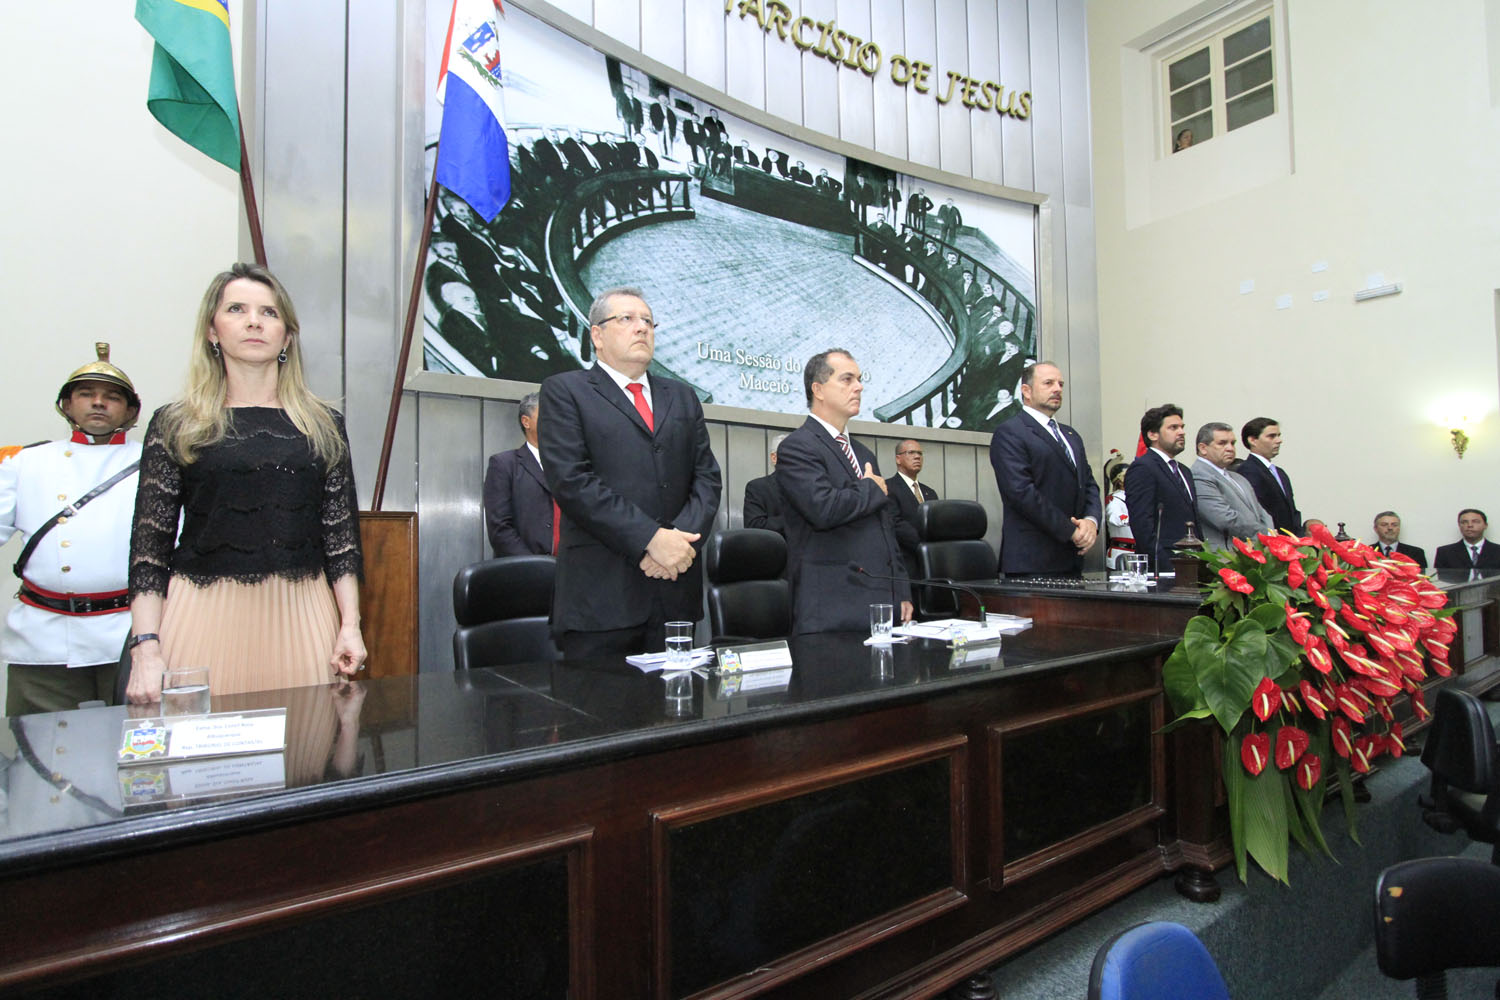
{"points": [[1456, 556], [763, 505], [517, 505], [1417, 554], [834, 518], [1282, 506], [616, 483], [907, 535], [1041, 490], [1149, 483]]}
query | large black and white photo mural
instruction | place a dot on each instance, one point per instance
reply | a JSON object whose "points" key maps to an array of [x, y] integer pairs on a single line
{"points": [[754, 250]]}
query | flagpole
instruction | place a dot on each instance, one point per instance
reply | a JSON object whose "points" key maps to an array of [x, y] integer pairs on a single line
{"points": [[252, 213], [406, 337]]}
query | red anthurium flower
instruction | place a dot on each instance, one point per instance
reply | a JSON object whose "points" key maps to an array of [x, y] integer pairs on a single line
{"points": [[1371, 580], [1360, 754], [1411, 666], [1444, 629], [1319, 533], [1441, 668], [1337, 637], [1395, 615], [1298, 622], [1236, 581], [1419, 618], [1289, 701], [1393, 744], [1419, 704], [1352, 618], [1320, 573], [1401, 638], [1347, 700], [1255, 751], [1317, 655], [1431, 597], [1280, 546], [1380, 644], [1313, 699], [1402, 565], [1249, 551], [1437, 648], [1367, 604], [1360, 664], [1403, 593], [1309, 770], [1381, 686], [1291, 743], [1343, 743], [1266, 699], [1383, 706], [1295, 575]]}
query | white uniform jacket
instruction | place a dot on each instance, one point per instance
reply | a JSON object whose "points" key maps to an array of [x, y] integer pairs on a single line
{"points": [[88, 553]]}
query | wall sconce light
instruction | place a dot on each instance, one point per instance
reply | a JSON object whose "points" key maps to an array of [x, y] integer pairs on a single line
{"points": [[1458, 436]]}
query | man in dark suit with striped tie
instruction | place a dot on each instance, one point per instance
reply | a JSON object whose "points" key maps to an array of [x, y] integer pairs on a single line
{"points": [[1052, 507], [838, 509], [1159, 491], [1472, 551], [1273, 487]]}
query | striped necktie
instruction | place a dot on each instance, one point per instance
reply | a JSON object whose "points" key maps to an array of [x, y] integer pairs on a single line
{"points": [[849, 454]]}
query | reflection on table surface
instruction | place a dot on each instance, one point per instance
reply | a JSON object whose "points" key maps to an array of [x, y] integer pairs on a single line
{"points": [[58, 773]]}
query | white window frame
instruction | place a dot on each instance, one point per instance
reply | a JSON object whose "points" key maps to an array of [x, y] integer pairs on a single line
{"points": [[1212, 36]]}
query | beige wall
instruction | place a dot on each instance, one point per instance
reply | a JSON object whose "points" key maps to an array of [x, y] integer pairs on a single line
{"points": [[1392, 167], [113, 227]]}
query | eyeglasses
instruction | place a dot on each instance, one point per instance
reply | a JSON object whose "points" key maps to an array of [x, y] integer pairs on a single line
{"points": [[629, 319]]}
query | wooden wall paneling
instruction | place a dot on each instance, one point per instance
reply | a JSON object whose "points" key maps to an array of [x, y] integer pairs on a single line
{"points": [[390, 596]]}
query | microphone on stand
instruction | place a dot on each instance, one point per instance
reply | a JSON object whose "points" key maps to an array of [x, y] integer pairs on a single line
{"points": [[855, 567]]}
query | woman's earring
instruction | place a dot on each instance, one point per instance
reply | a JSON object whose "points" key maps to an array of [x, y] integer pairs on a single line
{"points": [[282, 356], [213, 345]]}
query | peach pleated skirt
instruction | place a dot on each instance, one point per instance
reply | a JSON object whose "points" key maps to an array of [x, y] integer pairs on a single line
{"points": [[252, 637]]}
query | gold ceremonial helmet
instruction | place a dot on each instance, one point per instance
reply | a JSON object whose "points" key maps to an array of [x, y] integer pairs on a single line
{"points": [[102, 371]]}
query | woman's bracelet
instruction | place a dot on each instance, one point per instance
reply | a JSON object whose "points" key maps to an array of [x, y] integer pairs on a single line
{"points": [[136, 640]]}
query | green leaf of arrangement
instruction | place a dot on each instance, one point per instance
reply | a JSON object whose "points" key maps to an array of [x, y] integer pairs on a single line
{"points": [[1244, 666], [1180, 681], [1234, 794], [1189, 716], [1269, 617], [1278, 593], [1266, 828], [1293, 817], [1346, 792]]}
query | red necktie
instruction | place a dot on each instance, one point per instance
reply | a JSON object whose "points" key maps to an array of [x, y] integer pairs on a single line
{"points": [[638, 392], [556, 525]]}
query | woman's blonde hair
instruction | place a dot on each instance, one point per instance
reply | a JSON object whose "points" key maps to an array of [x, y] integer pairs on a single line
{"points": [[201, 417]]}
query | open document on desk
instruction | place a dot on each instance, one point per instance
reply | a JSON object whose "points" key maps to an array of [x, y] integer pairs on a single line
{"points": [[963, 631]]}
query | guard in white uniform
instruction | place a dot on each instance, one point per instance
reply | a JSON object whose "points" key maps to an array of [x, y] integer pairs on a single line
{"points": [[63, 639]]}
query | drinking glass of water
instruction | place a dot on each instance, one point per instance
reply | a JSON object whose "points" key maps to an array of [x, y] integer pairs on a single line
{"points": [[679, 645], [185, 691], [882, 617]]}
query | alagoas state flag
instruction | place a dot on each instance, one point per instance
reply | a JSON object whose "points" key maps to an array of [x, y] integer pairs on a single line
{"points": [[473, 159], [192, 74]]}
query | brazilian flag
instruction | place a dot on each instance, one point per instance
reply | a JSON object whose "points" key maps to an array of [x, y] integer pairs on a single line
{"points": [[192, 74]]}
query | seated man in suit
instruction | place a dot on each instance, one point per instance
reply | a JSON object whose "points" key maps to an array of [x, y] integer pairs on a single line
{"points": [[627, 459], [838, 510], [1273, 488], [1473, 552], [1388, 538], [909, 494], [1052, 509], [518, 511], [1227, 507], [763, 498], [1159, 491]]}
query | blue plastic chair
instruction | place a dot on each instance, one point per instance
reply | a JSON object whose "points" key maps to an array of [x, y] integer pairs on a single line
{"points": [[1155, 961]]}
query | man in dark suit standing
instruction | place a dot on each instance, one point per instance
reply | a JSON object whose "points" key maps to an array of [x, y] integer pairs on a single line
{"points": [[838, 509], [763, 506], [1388, 538], [1273, 488], [909, 494], [1052, 509], [1473, 552], [627, 458], [1158, 491], [518, 511]]}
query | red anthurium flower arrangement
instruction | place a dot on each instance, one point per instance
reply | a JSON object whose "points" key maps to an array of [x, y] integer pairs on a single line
{"points": [[1309, 652]]}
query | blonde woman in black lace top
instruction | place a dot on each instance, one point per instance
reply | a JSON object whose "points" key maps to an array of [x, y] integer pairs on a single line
{"points": [[262, 586]]}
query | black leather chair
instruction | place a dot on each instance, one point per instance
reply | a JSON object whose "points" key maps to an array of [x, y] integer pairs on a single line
{"points": [[1436, 914], [502, 607], [1460, 753], [748, 597], [952, 548]]}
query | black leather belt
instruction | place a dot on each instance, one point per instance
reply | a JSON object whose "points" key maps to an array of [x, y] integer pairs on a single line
{"points": [[75, 605]]}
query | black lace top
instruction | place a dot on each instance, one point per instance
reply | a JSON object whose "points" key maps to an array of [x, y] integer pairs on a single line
{"points": [[255, 505]]}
